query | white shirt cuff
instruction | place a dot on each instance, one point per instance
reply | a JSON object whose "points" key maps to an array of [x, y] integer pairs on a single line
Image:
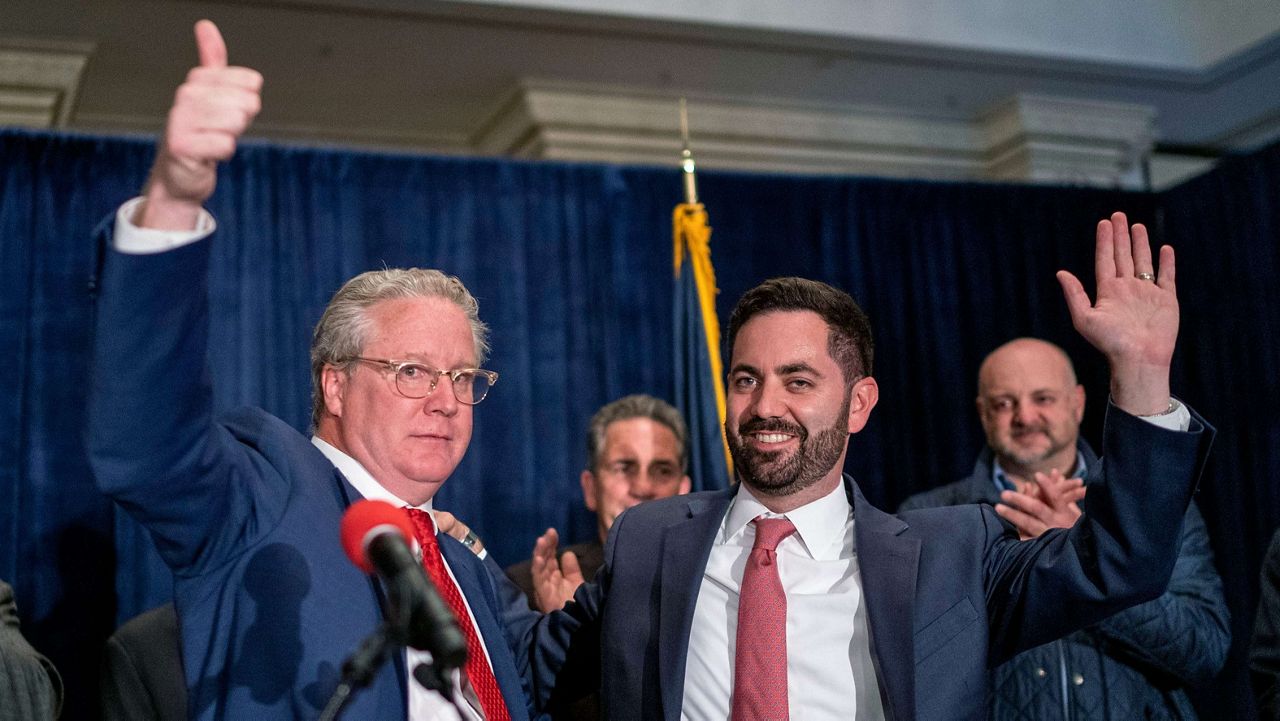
{"points": [[1178, 419], [129, 238]]}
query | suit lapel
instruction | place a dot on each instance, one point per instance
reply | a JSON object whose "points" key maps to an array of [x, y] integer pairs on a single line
{"points": [[686, 546], [478, 592], [346, 494], [888, 564]]}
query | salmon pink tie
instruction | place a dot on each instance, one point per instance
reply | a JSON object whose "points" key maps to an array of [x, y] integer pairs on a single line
{"points": [[760, 658], [478, 671]]}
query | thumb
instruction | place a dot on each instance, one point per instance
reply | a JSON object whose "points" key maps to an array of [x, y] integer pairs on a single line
{"points": [[1077, 300], [446, 523], [570, 568], [209, 44]]}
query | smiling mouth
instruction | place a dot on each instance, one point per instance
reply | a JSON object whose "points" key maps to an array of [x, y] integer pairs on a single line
{"points": [[771, 438], [1031, 438]]}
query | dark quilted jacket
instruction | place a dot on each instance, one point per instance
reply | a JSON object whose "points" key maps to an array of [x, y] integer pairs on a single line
{"points": [[1134, 665]]}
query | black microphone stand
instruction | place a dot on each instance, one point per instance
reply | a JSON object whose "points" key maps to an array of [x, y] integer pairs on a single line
{"points": [[359, 669], [436, 679], [394, 634]]}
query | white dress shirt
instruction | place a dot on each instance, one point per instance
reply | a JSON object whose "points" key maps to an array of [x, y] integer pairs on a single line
{"points": [[829, 671], [424, 705], [130, 238]]}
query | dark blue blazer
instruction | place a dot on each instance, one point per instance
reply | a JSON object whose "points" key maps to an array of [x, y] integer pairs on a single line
{"points": [[949, 591], [1137, 663], [244, 510]]}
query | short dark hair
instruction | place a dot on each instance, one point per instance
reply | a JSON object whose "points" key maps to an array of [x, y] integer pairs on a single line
{"points": [[635, 406], [849, 330]]}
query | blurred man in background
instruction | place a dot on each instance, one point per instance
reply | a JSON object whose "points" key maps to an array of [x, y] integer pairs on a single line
{"points": [[1136, 664], [636, 451]]}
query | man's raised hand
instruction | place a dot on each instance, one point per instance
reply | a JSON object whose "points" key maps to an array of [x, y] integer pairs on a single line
{"points": [[1134, 320], [554, 579], [211, 110]]}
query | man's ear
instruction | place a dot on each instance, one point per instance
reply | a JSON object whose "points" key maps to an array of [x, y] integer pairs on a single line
{"points": [[862, 398], [685, 486], [588, 481], [1077, 400], [333, 384]]}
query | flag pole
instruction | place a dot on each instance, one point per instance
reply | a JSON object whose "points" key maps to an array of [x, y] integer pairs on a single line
{"points": [[687, 166], [699, 382]]}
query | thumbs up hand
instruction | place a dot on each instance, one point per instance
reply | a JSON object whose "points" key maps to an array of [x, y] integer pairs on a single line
{"points": [[211, 110]]}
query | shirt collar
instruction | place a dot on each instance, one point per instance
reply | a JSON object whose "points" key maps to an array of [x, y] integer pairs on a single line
{"points": [[1001, 479], [364, 482], [821, 525]]}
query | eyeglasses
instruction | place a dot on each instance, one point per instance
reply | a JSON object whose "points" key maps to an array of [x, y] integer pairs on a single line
{"points": [[415, 380], [1009, 404]]}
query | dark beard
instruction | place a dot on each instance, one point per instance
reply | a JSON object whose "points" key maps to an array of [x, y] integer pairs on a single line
{"points": [[771, 472]]}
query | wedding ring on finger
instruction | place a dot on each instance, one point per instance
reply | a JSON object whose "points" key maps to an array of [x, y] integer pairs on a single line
{"points": [[471, 540], [1147, 276]]}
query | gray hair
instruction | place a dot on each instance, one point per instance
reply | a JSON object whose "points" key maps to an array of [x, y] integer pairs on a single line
{"points": [[340, 334], [635, 406]]}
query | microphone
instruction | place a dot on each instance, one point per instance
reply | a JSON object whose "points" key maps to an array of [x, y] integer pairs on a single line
{"points": [[375, 535]]}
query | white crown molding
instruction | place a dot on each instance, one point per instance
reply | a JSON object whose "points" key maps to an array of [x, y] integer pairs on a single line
{"points": [[1167, 170], [1043, 139], [1259, 132], [39, 81], [1027, 138]]}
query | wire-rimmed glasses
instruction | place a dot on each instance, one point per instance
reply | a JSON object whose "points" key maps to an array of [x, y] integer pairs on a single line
{"points": [[418, 380]]}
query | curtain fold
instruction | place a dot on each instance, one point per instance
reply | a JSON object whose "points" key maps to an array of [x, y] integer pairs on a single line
{"points": [[571, 264], [1225, 227]]}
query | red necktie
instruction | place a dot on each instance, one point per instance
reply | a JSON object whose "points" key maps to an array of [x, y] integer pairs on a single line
{"points": [[760, 659], [478, 671]]}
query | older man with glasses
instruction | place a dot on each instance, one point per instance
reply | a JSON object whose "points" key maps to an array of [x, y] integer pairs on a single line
{"points": [[244, 508]]}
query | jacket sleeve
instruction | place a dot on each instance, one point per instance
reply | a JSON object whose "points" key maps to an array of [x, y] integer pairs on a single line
{"points": [[154, 444], [1121, 552], [1186, 631]]}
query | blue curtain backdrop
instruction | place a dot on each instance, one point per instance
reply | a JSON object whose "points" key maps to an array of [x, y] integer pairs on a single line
{"points": [[1226, 227], [572, 266]]}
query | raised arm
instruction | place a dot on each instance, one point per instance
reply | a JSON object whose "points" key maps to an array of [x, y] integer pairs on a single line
{"points": [[211, 110], [1122, 550], [153, 443]]}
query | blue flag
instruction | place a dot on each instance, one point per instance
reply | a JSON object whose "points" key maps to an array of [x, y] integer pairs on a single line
{"points": [[699, 371]]}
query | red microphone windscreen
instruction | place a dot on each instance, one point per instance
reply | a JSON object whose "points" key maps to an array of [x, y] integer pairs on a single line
{"points": [[362, 517]]}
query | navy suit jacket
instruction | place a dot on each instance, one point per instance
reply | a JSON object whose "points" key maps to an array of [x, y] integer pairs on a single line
{"points": [[949, 591], [245, 510]]}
